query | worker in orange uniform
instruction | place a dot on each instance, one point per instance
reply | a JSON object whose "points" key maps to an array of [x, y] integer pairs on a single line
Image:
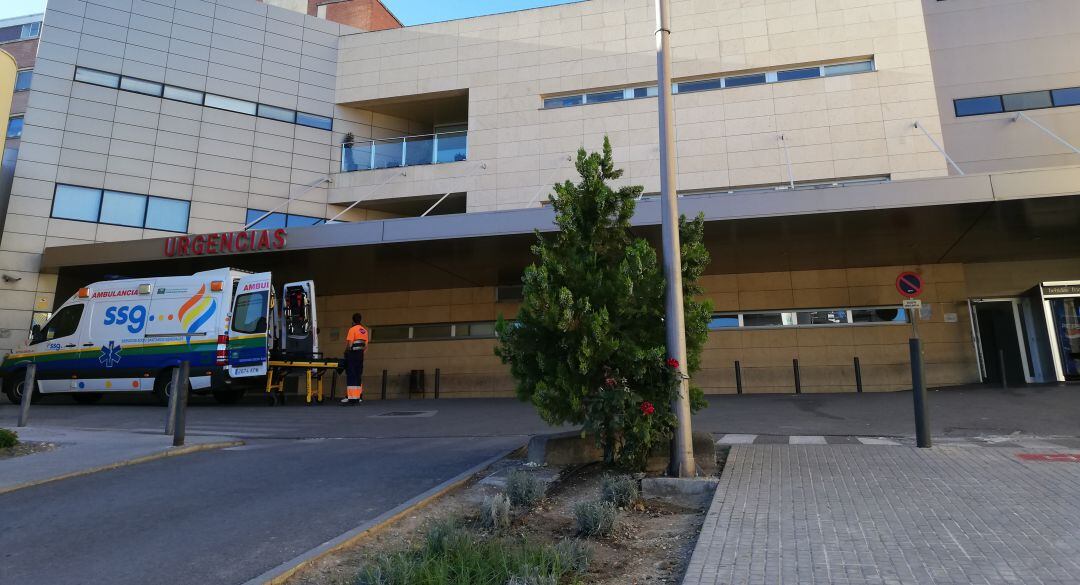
{"points": [[356, 343]]}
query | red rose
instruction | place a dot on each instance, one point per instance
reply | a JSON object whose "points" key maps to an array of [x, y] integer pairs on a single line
{"points": [[647, 408], [609, 382], [672, 362]]}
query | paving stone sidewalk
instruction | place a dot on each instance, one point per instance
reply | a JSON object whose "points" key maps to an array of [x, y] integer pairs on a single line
{"points": [[858, 514]]}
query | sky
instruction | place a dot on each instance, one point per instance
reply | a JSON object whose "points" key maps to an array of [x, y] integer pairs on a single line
{"points": [[408, 11]]}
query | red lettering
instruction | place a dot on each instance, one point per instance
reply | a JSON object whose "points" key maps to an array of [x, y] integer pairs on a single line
{"points": [[212, 243], [170, 247], [264, 240], [198, 245], [226, 242], [241, 242], [279, 238], [182, 245]]}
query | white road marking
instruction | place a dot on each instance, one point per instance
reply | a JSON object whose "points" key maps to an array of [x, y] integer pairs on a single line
{"points": [[736, 439], [876, 441], [807, 440]]}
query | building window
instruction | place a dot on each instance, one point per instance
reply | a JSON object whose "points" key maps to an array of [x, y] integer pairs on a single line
{"points": [[279, 220], [1069, 96], [119, 208], [15, 127], [95, 77], [140, 86], [233, 105], [433, 331], [191, 96], [20, 32], [710, 84], [22, 79], [313, 121], [1015, 102], [809, 318], [1031, 100]]}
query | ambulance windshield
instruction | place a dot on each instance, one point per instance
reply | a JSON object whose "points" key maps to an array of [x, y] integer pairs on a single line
{"points": [[250, 313]]}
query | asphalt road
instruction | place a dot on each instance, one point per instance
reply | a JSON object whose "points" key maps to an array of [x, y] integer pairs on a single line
{"points": [[220, 516]]}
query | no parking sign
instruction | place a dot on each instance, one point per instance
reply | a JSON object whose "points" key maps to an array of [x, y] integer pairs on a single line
{"points": [[909, 284]]}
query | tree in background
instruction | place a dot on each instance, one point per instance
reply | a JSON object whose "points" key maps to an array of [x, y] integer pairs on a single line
{"points": [[588, 345]]}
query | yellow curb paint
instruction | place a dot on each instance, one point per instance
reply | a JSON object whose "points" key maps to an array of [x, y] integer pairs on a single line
{"points": [[171, 452]]}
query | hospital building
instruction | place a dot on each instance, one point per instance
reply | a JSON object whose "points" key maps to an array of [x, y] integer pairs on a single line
{"points": [[830, 144]]}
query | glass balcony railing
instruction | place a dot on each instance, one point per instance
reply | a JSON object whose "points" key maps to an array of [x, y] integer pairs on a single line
{"points": [[425, 149]]}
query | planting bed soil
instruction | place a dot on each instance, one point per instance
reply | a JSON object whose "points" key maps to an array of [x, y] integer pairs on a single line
{"points": [[651, 543]]}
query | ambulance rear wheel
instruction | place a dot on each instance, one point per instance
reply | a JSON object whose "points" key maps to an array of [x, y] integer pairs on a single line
{"points": [[163, 387], [87, 397], [228, 396]]}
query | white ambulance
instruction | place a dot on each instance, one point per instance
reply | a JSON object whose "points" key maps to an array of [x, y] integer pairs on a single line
{"points": [[129, 335]]}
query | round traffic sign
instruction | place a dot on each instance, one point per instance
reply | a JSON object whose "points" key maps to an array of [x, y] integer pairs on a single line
{"points": [[909, 284]]}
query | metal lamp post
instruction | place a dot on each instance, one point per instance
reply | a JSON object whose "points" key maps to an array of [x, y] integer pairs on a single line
{"points": [[682, 463]]}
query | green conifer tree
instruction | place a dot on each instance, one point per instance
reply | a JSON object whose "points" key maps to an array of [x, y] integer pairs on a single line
{"points": [[588, 345]]}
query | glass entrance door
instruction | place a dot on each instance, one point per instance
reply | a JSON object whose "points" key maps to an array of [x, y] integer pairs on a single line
{"points": [[1066, 314]]}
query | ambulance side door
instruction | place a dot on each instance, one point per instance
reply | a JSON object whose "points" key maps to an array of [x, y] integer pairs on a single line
{"points": [[249, 321], [299, 322], [58, 341]]}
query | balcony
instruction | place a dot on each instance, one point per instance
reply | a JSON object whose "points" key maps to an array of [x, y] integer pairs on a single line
{"points": [[406, 151]]}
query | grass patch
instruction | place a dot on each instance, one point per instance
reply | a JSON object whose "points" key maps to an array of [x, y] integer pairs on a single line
{"points": [[621, 490], [595, 518], [453, 554], [8, 439], [495, 514]]}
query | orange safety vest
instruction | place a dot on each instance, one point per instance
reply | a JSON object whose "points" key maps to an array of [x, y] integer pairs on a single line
{"points": [[358, 338]]}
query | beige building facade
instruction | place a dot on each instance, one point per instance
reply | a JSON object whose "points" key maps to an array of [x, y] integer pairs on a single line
{"points": [[830, 146]]}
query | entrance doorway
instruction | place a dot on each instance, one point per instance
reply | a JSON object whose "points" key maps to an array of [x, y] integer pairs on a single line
{"points": [[1000, 339]]}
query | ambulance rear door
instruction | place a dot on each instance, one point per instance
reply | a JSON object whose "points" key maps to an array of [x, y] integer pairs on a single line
{"points": [[299, 325], [248, 346]]}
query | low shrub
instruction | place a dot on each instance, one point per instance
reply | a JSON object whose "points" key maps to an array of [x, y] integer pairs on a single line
{"points": [[621, 490], [8, 438], [524, 489], [595, 518], [495, 514]]}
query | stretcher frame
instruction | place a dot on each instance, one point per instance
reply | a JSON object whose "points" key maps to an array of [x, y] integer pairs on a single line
{"points": [[314, 372]]}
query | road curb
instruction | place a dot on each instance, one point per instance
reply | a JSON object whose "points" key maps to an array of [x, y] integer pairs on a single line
{"points": [[170, 452], [284, 571]]}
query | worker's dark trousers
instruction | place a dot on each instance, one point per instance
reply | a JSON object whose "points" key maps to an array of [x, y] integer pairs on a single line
{"points": [[354, 372]]}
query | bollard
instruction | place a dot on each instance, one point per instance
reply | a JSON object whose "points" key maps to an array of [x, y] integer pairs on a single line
{"points": [[858, 375], [27, 394], [437, 375], [918, 387], [181, 393], [738, 377], [1001, 366], [170, 417], [383, 395], [798, 378]]}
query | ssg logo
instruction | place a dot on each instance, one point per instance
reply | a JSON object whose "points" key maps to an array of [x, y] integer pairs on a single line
{"points": [[110, 354]]}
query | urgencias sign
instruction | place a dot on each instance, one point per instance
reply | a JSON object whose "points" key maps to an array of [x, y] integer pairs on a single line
{"points": [[225, 243]]}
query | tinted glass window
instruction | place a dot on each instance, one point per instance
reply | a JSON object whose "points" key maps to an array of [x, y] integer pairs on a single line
{"points": [[744, 80], [273, 113], [977, 106], [431, 331], [79, 203], [169, 215], [14, 127], [272, 221], [63, 324], [1069, 96], [10, 33], [97, 77], [603, 96], [879, 315], [1026, 101], [249, 315], [233, 105], [562, 102], [22, 80], [847, 68], [822, 317], [321, 122], [703, 85], [140, 86], [123, 209], [390, 333], [183, 95], [794, 74], [640, 92], [765, 320], [724, 322], [475, 330], [301, 220]]}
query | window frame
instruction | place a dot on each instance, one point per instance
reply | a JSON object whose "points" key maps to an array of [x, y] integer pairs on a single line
{"points": [[135, 80], [29, 72], [42, 335], [101, 205], [187, 213], [91, 71], [56, 189], [122, 194], [22, 125], [226, 100], [314, 117]]}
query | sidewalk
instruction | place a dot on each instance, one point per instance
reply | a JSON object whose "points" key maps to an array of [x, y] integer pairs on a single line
{"points": [[890, 515], [80, 452]]}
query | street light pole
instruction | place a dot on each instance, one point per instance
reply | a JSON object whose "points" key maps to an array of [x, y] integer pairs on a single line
{"points": [[682, 464]]}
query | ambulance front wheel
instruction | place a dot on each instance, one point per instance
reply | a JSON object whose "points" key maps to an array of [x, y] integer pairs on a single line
{"points": [[163, 387], [13, 388]]}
